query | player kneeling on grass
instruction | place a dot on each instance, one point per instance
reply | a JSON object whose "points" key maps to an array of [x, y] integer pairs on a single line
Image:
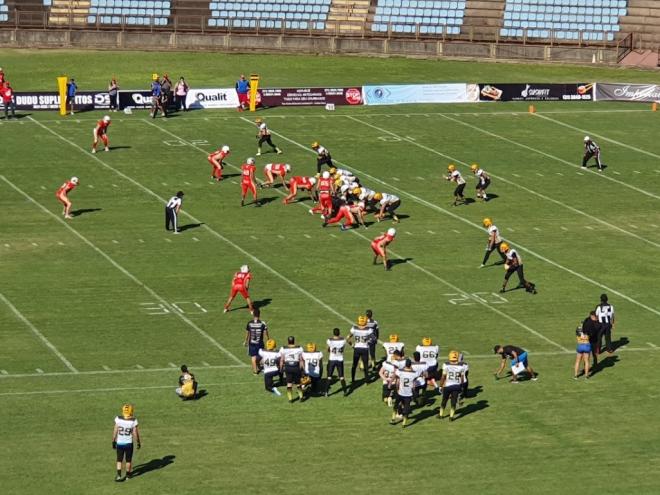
{"points": [[62, 194], [387, 374], [451, 383], [101, 132], [379, 247], [275, 169], [351, 213], [270, 360], [519, 362], [514, 265], [313, 369], [292, 364], [124, 435], [303, 183], [187, 388]]}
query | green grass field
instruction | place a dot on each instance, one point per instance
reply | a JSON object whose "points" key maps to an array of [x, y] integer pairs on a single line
{"points": [[102, 309]]}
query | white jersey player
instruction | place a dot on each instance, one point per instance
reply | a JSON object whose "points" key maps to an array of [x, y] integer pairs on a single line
{"points": [[336, 346], [405, 384], [451, 382], [124, 436], [393, 346], [270, 360], [429, 354]]}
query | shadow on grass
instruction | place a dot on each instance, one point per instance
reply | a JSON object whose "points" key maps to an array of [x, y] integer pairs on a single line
{"points": [[153, 465], [82, 211]]}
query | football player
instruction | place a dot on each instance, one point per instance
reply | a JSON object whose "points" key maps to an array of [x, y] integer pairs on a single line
{"points": [[124, 436], [404, 385], [263, 135], [272, 169], [270, 360], [591, 150], [451, 382], [336, 346], [359, 338], [101, 132], [248, 182], [297, 182], [454, 175], [187, 388], [393, 345], [216, 159], [322, 157], [326, 190], [420, 367], [240, 284], [387, 374], [494, 241], [292, 364], [466, 372], [513, 265], [379, 247], [375, 333], [313, 367], [62, 194], [483, 181], [387, 203]]}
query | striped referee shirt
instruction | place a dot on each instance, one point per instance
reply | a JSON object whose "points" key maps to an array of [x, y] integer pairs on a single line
{"points": [[373, 324], [605, 313], [174, 203], [256, 330]]}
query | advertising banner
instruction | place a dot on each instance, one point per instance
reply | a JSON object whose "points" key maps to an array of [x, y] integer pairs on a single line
{"points": [[628, 92], [416, 93], [134, 99], [85, 100], [276, 97], [536, 92], [212, 98]]}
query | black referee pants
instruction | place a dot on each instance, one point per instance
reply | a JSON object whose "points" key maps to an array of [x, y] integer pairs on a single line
{"points": [[605, 331], [171, 219]]}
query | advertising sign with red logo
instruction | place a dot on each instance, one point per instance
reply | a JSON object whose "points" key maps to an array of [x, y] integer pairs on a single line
{"points": [[276, 97]]}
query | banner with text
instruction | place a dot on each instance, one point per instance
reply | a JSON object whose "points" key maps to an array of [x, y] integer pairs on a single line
{"points": [[212, 98], [536, 92], [134, 99], [648, 93], [418, 93], [84, 101], [275, 97]]}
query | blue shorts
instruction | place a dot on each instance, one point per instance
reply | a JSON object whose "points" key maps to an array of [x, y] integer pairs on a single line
{"points": [[583, 348], [253, 349], [521, 359]]}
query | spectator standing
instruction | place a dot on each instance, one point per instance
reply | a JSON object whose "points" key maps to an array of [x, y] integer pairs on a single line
{"points": [[166, 86], [8, 100], [243, 91], [592, 327], [583, 350], [113, 93], [157, 97], [181, 93], [71, 90]]}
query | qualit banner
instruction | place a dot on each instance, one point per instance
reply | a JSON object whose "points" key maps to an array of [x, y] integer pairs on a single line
{"points": [[648, 93], [212, 98], [416, 93], [134, 99], [275, 97], [85, 100], [536, 92]]}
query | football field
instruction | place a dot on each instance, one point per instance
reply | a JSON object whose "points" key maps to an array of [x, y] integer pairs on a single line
{"points": [[102, 309]]}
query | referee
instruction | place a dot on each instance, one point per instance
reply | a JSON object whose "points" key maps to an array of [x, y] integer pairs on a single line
{"points": [[256, 332], [172, 212], [375, 333], [605, 314]]}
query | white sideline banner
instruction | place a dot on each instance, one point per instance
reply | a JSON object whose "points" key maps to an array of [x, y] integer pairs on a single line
{"points": [[212, 98], [396, 94]]}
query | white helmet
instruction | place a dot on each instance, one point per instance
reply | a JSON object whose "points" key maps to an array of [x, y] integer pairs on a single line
{"points": [[326, 175], [106, 118], [312, 180], [287, 167], [74, 180], [391, 232], [250, 161], [225, 149], [587, 138], [245, 269]]}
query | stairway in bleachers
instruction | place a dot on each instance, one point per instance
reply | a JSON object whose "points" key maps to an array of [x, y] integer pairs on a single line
{"points": [[346, 16], [69, 12], [483, 18], [191, 14], [643, 19]]}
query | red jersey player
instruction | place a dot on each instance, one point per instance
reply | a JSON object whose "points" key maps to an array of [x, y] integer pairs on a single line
{"points": [[247, 181], [275, 169], [239, 285], [326, 189], [297, 182], [101, 132], [62, 195], [216, 160], [351, 212], [379, 246]]}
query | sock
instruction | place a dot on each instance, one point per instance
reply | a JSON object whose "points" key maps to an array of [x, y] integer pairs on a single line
{"points": [[451, 413], [289, 394], [119, 472], [442, 412]]}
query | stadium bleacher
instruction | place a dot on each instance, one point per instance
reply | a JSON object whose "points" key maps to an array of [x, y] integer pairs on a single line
{"points": [[133, 12], [270, 14], [592, 20], [431, 17]]}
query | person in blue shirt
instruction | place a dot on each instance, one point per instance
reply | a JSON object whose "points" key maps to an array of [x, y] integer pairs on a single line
{"points": [[71, 88], [243, 90], [157, 97]]}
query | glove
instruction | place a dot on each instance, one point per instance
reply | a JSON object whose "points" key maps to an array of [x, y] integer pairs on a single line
{"points": [[114, 444]]}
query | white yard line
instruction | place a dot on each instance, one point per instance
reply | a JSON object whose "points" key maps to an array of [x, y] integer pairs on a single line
{"points": [[111, 371], [123, 270], [421, 201], [39, 335], [102, 390]]}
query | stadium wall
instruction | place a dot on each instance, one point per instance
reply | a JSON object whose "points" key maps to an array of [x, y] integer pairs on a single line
{"points": [[128, 40]]}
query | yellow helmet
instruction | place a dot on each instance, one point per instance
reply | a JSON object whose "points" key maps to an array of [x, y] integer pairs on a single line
{"points": [[451, 167], [394, 338], [127, 411], [333, 170], [315, 144], [270, 344], [311, 347], [487, 222], [474, 167], [357, 191], [453, 356], [362, 320], [258, 120], [154, 77], [427, 341], [504, 247], [378, 196], [305, 380], [338, 182]]}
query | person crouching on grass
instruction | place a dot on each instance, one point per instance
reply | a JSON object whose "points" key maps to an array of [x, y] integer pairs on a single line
{"points": [[187, 388]]}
